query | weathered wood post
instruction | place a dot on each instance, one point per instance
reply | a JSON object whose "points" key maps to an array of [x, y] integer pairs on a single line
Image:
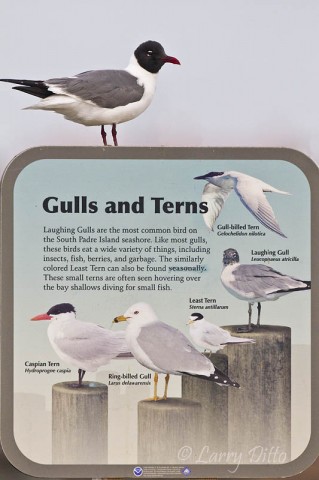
{"points": [[214, 401], [260, 411], [79, 423], [168, 430]]}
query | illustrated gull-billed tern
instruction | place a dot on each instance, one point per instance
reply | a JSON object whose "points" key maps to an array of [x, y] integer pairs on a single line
{"points": [[250, 190], [164, 349], [102, 97], [209, 336], [87, 346], [256, 283]]}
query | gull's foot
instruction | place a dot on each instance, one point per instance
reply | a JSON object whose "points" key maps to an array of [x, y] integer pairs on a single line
{"points": [[152, 399]]}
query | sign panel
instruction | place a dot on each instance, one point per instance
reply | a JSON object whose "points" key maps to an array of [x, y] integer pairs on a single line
{"points": [[190, 265]]}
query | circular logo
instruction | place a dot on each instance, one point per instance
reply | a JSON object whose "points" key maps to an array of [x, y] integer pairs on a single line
{"points": [[138, 471], [186, 471]]}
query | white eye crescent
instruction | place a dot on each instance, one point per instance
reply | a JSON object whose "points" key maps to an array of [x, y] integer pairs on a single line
{"points": [[149, 53]]}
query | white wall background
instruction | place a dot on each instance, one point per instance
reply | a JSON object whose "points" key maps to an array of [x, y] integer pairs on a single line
{"points": [[249, 73]]}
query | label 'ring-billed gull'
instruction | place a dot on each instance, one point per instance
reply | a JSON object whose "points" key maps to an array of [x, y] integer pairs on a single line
{"points": [[256, 283], [87, 346], [164, 349]]}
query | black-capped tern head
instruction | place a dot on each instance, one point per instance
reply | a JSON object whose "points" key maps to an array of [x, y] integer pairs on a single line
{"points": [[209, 175], [194, 317], [61, 310]]}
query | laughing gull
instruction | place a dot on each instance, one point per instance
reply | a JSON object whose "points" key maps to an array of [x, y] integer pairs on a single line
{"points": [[87, 346], [164, 349], [250, 191], [209, 336], [102, 97], [256, 283]]}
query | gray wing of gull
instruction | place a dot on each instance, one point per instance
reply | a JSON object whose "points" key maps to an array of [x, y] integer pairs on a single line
{"points": [[92, 342], [252, 196], [215, 198], [171, 351], [105, 88], [214, 335], [263, 280]]}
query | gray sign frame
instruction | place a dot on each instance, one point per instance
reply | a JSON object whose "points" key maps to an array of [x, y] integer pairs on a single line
{"points": [[310, 170]]}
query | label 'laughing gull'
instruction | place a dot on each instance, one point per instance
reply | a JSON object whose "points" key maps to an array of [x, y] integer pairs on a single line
{"points": [[102, 97], [256, 283], [164, 349], [85, 345], [250, 191]]}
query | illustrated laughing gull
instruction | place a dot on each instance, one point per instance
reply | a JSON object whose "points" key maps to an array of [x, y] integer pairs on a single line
{"points": [[102, 97], [210, 336], [87, 346], [250, 190], [256, 283], [164, 349]]}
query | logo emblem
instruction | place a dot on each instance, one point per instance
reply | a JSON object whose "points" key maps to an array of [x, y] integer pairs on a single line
{"points": [[138, 471], [186, 471]]}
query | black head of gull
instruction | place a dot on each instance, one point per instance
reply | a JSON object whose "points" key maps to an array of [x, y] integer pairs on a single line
{"points": [[230, 257], [151, 56]]}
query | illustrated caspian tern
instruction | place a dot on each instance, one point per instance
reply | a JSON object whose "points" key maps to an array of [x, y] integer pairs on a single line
{"points": [[85, 345]]}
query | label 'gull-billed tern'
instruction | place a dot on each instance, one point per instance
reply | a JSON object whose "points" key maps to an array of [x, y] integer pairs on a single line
{"points": [[164, 349], [250, 190], [102, 97], [210, 336], [256, 283], [87, 346]]}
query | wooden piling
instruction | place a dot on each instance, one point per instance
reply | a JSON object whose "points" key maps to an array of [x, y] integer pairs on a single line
{"points": [[260, 411], [79, 423], [168, 430], [214, 401]]}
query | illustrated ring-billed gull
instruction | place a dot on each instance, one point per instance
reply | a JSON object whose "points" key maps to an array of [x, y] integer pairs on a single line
{"points": [[87, 346], [210, 336], [164, 349], [256, 283], [102, 97], [250, 190]]}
